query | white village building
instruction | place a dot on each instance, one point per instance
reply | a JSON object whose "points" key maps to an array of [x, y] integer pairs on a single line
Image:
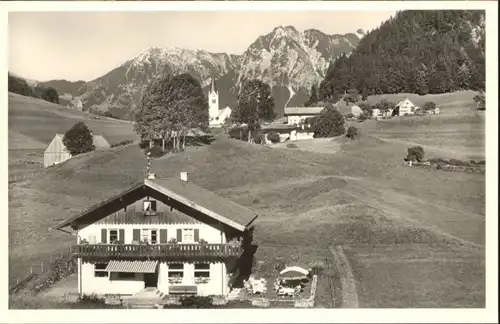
{"points": [[169, 236], [405, 107], [298, 115], [216, 117]]}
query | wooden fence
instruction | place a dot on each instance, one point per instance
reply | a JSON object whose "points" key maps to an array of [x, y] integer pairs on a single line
{"points": [[34, 270]]}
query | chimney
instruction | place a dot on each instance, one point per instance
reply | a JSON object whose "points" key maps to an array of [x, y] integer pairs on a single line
{"points": [[184, 176]]}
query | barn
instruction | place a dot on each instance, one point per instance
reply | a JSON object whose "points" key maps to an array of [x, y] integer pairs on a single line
{"points": [[57, 152]]}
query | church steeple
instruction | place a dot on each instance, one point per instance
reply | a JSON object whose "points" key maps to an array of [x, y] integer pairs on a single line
{"points": [[212, 85]]}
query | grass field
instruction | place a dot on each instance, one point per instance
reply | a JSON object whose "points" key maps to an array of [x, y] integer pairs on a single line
{"points": [[34, 122], [362, 196]]}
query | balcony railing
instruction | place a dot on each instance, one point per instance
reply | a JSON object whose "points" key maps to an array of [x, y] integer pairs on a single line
{"points": [[161, 251]]}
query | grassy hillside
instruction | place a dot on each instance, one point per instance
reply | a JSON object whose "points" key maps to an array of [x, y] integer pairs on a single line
{"points": [[40, 120], [359, 194]]}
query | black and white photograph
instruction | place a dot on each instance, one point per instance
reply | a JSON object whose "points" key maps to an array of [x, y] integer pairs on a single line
{"points": [[305, 160]]}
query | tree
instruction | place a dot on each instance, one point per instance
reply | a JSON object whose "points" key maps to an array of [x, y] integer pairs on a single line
{"points": [[19, 86], [78, 139], [274, 137], [170, 107], [415, 153], [255, 103], [352, 132], [352, 96], [429, 105], [50, 94], [313, 99], [329, 123]]}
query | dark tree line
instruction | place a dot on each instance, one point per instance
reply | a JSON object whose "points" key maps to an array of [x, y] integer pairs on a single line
{"points": [[20, 86], [417, 51]]}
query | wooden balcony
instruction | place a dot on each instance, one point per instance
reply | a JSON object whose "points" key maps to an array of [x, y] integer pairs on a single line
{"points": [[158, 251]]}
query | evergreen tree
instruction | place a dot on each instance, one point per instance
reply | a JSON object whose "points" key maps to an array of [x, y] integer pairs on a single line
{"points": [[313, 99], [419, 51]]}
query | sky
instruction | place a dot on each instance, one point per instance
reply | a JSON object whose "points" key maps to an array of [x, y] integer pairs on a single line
{"points": [[85, 45]]}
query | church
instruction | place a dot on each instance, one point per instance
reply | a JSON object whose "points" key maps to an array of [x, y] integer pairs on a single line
{"points": [[216, 117]]}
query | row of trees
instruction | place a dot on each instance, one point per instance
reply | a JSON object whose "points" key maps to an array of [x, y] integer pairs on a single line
{"points": [[415, 52], [170, 107], [20, 86]]}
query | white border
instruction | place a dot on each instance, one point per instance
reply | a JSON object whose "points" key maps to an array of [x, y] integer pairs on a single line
{"points": [[490, 314]]}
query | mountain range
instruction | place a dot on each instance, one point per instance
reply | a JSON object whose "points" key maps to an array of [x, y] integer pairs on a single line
{"points": [[289, 60]]}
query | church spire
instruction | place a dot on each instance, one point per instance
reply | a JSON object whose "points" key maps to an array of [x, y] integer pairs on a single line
{"points": [[212, 85]]}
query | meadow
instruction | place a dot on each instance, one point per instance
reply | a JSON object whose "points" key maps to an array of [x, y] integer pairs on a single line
{"points": [[361, 196]]}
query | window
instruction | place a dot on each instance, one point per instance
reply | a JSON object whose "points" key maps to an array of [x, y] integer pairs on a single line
{"points": [[188, 235], [176, 270], [149, 235], [149, 207], [99, 270], [154, 236], [214, 101], [113, 236], [202, 270], [125, 275]]}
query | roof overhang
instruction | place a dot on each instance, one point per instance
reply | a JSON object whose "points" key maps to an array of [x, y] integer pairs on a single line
{"points": [[136, 192]]}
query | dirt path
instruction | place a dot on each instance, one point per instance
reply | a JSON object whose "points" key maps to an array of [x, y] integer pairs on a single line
{"points": [[348, 282]]}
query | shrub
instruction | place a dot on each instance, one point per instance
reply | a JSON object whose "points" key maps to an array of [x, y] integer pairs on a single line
{"points": [[429, 105], [291, 145], [50, 94], [352, 132], [329, 123], [196, 302], [122, 143], [274, 137], [415, 153], [78, 139]]}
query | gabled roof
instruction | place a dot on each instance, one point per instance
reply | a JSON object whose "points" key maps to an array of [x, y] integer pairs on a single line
{"points": [[99, 140], [184, 192], [403, 101], [303, 110]]}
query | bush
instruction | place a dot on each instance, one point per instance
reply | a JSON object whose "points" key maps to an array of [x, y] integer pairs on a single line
{"points": [[50, 95], [291, 145], [329, 123], [352, 132], [123, 143], [415, 153], [429, 105], [274, 137], [78, 139], [196, 302]]}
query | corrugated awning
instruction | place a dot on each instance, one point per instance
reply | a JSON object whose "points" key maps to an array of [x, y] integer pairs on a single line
{"points": [[132, 266]]}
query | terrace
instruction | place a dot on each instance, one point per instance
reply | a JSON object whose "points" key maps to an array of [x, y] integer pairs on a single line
{"points": [[159, 251]]}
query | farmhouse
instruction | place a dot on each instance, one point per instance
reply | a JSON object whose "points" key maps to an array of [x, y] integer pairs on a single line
{"points": [[166, 235], [404, 107], [57, 152], [217, 117], [298, 115], [288, 132], [76, 104]]}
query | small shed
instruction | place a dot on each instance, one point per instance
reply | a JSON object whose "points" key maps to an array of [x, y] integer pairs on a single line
{"points": [[57, 152]]}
